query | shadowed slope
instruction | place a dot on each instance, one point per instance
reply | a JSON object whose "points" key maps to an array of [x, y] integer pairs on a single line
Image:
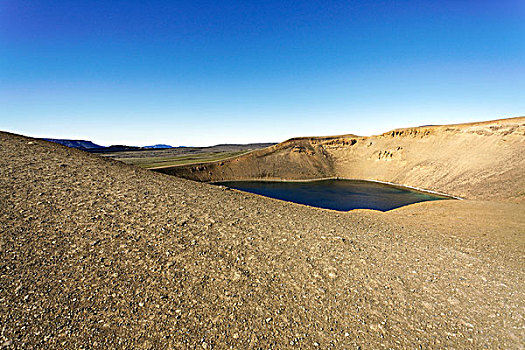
{"points": [[475, 160]]}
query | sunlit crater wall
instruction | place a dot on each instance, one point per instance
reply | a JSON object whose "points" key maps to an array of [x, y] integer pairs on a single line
{"points": [[477, 160]]}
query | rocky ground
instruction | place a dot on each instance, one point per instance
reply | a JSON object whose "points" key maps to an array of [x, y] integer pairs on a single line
{"points": [[99, 254]]}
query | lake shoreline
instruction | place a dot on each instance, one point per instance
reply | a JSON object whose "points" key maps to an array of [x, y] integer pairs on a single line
{"points": [[343, 178], [336, 194]]}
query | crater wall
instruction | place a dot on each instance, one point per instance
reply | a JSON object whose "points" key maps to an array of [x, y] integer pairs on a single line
{"points": [[483, 160]]}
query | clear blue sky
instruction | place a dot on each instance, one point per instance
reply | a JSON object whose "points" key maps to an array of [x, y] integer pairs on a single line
{"points": [[206, 72]]}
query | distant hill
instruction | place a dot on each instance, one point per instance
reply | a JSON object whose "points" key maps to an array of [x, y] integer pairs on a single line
{"points": [[244, 145], [159, 146], [115, 148], [94, 148], [80, 144]]}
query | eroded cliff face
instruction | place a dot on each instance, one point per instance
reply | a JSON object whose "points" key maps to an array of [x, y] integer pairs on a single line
{"points": [[478, 160]]}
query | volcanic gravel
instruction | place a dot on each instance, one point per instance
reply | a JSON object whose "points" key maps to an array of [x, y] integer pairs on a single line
{"points": [[99, 254]]}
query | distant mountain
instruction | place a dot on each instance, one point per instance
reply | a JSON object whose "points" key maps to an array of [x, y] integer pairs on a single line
{"points": [[115, 148], [94, 148], [158, 146], [80, 144]]}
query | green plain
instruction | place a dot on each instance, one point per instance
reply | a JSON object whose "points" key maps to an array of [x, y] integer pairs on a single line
{"points": [[153, 162]]}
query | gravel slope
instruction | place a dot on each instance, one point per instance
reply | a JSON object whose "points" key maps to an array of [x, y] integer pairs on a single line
{"points": [[99, 254]]}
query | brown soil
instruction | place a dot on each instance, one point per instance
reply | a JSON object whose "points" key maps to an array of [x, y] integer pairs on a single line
{"points": [[99, 254], [476, 160]]}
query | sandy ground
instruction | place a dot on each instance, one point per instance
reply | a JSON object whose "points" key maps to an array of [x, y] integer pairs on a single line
{"points": [[99, 254]]}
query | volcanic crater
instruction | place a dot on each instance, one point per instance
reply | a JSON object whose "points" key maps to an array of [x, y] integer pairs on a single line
{"points": [[100, 254]]}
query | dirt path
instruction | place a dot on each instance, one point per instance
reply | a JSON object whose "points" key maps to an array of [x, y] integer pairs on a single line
{"points": [[98, 254]]}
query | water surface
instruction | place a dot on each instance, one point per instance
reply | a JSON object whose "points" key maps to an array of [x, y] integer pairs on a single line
{"points": [[342, 195]]}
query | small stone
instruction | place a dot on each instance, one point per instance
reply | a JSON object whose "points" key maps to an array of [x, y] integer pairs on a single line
{"points": [[316, 344], [347, 334], [269, 319]]}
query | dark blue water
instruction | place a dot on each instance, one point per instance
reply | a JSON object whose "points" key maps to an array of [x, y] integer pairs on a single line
{"points": [[342, 195]]}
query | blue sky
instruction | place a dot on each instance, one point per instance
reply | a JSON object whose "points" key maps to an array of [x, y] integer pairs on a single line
{"points": [[207, 72]]}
